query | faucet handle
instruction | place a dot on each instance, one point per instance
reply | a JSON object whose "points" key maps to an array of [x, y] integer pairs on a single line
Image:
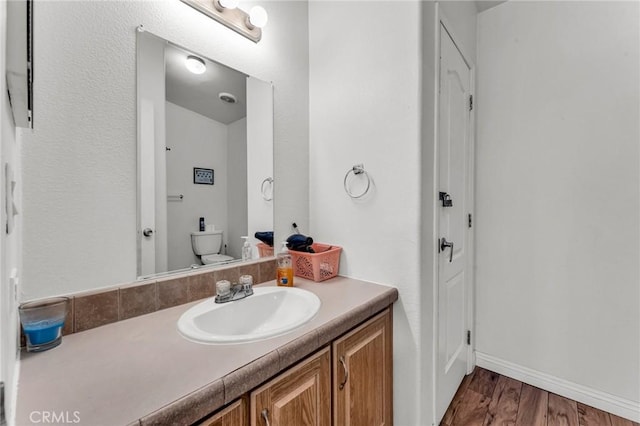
{"points": [[246, 281], [223, 288]]}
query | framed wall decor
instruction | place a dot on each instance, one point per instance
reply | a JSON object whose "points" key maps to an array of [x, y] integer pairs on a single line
{"points": [[202, 176]]}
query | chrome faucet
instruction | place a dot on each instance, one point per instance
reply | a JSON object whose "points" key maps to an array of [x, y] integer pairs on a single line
{"points": [[229, 293]]}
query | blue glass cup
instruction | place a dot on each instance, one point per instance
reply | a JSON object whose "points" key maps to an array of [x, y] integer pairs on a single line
{"points": [[42, 322]]}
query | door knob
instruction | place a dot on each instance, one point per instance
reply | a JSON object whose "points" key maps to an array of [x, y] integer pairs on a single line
{"points": [[444, 244], [147, 232]]}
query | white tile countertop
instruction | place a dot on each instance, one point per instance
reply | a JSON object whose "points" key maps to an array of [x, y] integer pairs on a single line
{"points": [[141, 371]]}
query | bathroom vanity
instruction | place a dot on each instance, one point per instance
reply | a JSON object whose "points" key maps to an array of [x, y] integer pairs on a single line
{"points": [[140, 371], [360, 365]]}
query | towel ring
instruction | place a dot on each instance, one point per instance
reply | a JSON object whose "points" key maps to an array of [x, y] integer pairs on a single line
{"points": [[262, 189], [358, 169]]}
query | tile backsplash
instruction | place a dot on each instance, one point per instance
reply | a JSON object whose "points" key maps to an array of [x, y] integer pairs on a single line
{"points": [[92, 309]]}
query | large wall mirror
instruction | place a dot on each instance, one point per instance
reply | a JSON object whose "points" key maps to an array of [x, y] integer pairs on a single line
{"points": [[205, 158]]}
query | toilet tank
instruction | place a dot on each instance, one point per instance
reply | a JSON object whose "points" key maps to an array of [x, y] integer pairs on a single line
{"points": [[206, 242]]}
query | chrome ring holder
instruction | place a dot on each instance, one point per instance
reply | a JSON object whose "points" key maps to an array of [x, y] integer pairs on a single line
{"points": [[358, 169], [263, 189]]}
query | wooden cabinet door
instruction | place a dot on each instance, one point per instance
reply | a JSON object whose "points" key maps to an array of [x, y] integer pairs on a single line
{"points": [[298, 397], [233, 415], [363, 374]]}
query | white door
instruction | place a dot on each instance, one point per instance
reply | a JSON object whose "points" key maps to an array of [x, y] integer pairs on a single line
{"points": [[453, 209], [152, 187], [147, 185]]}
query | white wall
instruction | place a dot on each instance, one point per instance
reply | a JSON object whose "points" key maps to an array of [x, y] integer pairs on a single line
{"points": [[259, 158], [427, 233], [80, 161], [461, 17], [372, 101], [195, 141], [557, 201], [364, 108], [10, 255]]}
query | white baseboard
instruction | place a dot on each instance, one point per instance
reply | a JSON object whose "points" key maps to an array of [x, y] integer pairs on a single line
{"points": [[604, 401]]}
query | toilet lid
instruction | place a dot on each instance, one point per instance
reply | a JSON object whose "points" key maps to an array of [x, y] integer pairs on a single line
{"points": [[215, 258]]}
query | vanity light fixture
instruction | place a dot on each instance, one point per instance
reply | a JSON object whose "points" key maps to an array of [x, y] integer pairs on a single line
{"points": [[230, 15], [195, 65], [257, 17], [226, 4]]}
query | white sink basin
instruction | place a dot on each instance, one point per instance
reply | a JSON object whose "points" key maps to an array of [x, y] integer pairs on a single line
{"points": [[269, 312]]}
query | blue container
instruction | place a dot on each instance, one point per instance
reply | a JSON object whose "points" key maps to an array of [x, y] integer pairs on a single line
{"points": [[42, 322]]}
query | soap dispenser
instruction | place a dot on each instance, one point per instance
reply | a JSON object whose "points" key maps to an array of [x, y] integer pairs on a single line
{"points": [[284, 275], [246, 249]]}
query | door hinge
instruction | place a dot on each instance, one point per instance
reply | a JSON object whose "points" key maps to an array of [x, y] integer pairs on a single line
{"points": [[470, 102], [468, 337], [470, 220]]}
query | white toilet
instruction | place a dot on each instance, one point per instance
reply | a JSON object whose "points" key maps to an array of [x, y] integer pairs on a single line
{"points": [[207, 244]]}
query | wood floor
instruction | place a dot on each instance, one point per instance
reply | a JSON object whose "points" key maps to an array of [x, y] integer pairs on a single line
{"points": [[486, 398]]}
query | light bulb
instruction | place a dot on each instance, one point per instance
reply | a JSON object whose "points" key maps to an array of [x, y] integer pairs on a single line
{"points": [[229, 4], [195, 64], [258, 16]]}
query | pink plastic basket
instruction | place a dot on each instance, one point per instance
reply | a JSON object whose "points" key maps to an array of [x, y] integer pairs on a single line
{"points": [[318, 266], [264, 250]]}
